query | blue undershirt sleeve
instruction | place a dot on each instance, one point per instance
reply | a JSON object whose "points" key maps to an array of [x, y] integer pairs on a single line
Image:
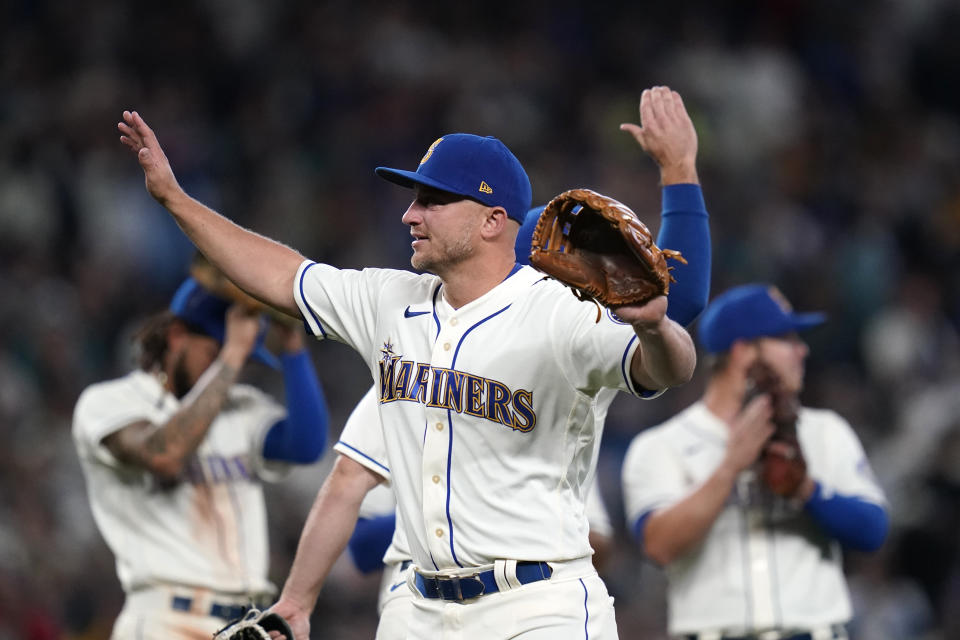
{"points": [[855, 523], [301, 436], [370, 540], [685, 227]]}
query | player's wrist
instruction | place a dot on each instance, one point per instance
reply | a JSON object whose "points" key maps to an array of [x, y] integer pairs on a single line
{"points": [[234, 355], [684, 172]]}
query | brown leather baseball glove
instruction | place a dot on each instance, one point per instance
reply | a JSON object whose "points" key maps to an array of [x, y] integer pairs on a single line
{"points": [[600, 249], [782, 465]]}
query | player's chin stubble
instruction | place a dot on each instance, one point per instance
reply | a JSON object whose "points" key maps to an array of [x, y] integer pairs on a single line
{"points": [[450, 256]]}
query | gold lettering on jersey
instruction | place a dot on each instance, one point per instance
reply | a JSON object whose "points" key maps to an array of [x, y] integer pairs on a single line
{"points": [[457, 391], [429, 152]]}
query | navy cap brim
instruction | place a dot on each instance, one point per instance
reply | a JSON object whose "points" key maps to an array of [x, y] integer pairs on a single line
{"points": [[409, 179]]}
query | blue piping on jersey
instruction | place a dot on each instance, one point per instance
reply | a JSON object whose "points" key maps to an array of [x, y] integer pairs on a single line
{"points": [[586, 611], [436, 320], [309, 308], [453, 364], [387, 469], [623, 367]]}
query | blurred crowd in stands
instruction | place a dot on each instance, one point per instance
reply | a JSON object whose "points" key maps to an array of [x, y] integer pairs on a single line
{"points": [[830, 161]]}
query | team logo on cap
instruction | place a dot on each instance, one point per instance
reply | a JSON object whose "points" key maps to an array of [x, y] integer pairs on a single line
{"points": [[780, 299], [485, 188], [429, 152]]}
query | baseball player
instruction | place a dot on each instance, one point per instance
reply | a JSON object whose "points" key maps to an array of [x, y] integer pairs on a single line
{"points": [[747, 556], [486, 375], [174, 454]]}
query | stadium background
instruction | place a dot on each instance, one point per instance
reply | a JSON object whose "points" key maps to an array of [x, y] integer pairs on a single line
{"points": [[830, 157]]}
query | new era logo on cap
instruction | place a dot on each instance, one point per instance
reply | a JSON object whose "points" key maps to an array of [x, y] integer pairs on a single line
{"points": [[482, 168]]}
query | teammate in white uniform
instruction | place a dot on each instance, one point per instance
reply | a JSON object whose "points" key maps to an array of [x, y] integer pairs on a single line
{"points": [[486, 374], [742, 562], [174, 454]]}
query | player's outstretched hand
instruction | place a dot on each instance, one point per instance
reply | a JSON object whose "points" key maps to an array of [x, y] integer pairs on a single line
{"points": [[161, 183], [667, 135]]}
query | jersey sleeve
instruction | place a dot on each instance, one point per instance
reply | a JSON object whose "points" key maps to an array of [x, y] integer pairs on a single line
{"points": [[593, 353], [261, 412], [848, 470], [362, 437], [101, 410], [652, 477], [343, 304]]}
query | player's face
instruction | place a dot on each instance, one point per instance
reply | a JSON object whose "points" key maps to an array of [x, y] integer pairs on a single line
{"points": [[197, 352], [785, 355], [445, 228]]}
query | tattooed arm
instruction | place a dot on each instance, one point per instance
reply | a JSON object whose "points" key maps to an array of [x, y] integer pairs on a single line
{"points": [[165, 448]]}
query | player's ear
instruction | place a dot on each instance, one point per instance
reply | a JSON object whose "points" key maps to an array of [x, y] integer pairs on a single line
{"points": [[495, 223], [742, 354]]}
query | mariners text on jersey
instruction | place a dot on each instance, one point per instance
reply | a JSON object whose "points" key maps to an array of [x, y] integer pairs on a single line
{"points": [[457, 391]]}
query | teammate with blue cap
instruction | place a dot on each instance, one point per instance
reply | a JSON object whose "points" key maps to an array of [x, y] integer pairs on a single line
{"points": [[175, 454], [747, 554]]}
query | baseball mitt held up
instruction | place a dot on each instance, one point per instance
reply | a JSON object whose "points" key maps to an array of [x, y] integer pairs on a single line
{"points": [[600, 249], [255, 625], [782, 465]]}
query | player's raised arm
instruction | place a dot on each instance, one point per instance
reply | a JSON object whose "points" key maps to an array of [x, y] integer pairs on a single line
{"points": [[261, 266]]}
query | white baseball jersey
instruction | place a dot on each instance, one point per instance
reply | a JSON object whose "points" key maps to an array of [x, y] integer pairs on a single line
{"points": [[209, 530], [487, 410], [764, 563], [362, 441]]}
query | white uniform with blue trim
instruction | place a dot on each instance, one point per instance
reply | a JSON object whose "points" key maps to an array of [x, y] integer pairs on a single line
{"points": [[764, 563], [488, 421], [202, 540], [363, 444]]}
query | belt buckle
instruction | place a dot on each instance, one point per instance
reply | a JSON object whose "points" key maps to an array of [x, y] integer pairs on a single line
{"points": [[456, 582]]}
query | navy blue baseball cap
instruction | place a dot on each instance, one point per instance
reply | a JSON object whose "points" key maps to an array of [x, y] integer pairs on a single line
{"points": [[474, 167], [206, 313], [750, 311], [525, 235]]}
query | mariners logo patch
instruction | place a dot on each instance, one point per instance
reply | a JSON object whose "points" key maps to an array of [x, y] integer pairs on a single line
{"points": [[429, 152], [458, 391]]}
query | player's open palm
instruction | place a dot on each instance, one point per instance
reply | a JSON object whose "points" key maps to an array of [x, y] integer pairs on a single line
{"points": [[160, 181], [666, 132], [749, 431]]}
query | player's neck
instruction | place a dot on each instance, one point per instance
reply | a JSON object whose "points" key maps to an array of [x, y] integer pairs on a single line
{"points": [[467, 281]]}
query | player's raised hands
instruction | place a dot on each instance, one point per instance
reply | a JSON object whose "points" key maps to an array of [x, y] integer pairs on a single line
{"points": [[667, 135], [161, 183]]}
